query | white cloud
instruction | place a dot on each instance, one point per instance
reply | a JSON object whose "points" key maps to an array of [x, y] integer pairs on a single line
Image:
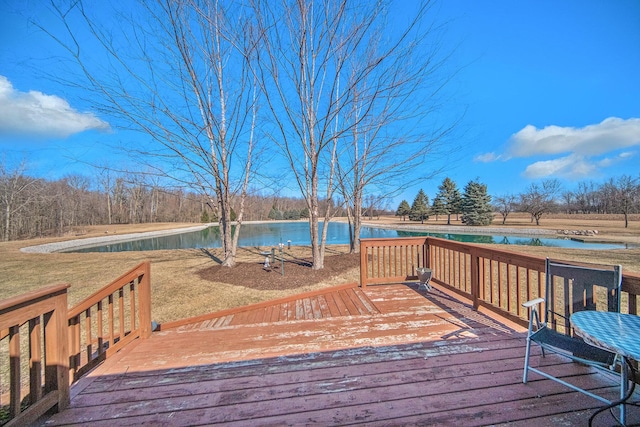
{"points": [[572, 153], [487, 157], [592, 140], [36, 114], [610, 161], [572, 167]]}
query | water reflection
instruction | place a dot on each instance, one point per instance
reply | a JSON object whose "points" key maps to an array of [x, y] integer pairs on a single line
{"points": [[270, 234]]}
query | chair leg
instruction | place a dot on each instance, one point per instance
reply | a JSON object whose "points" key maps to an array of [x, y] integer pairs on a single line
{"points": [[532, 315], [526, 361]]}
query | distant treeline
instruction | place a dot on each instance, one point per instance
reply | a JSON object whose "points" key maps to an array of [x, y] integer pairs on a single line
{"points": [[619, 195], [34, 207]]}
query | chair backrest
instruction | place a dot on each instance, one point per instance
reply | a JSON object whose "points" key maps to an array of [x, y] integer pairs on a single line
{"points": [[573, 287]]}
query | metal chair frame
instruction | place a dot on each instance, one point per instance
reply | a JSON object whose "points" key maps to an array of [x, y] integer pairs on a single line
{"points": [[579, 280]]}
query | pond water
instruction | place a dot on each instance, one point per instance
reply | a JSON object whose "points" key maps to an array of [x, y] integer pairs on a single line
{"points": [[270, 234]]}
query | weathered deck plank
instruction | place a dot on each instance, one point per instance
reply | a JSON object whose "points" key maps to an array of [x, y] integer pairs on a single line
{"points": [[418, 360]]}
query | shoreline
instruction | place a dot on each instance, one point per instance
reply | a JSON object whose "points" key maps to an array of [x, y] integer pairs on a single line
{"points": [[64, 245], [453, 229], [462, 229], [47, 248]]}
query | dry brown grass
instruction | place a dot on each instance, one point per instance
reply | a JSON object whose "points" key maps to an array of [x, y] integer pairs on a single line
{"points": [[178, 291]]}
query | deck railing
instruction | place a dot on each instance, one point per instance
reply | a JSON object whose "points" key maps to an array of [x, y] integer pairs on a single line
{"points": [[38, 321], [109, 319], [54, 345], [392, 259], [497, 280]]}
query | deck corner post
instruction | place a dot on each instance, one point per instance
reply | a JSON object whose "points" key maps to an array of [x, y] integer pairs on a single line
{"points": [[57, 350], [427, 253], [145, 301], [363, 265], [475, 279]]}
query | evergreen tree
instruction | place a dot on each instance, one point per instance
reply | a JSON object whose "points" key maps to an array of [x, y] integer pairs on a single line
{"points": [[204, 218], [450, 197], [403, 210], [420, 208], [438, 207], [292, 214], [274, 213], [476, 205]]}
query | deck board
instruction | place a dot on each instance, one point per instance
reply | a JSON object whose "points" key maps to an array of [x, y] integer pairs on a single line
{"points": [[410, 358]]}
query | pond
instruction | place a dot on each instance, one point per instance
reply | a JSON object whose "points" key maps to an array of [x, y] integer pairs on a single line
{"points": [[270, 234]]}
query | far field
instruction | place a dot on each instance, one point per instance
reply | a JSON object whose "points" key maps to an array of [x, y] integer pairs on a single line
{"points": [[185, 282]]}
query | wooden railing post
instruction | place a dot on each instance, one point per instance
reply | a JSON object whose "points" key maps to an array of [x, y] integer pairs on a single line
{"points": [[475, 279], [144, 296], [14, 371], [57, 351], [427, 253], [363, 265], [35, 359]]}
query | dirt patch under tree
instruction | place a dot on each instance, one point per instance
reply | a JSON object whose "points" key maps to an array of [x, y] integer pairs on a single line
{"points": [[297, 272]]}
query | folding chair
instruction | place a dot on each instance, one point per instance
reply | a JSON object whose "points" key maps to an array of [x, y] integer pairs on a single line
{"points": [[572, 287]]}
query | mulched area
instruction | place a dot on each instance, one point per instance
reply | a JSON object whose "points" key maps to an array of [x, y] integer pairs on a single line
{"points": [[297, 272]]}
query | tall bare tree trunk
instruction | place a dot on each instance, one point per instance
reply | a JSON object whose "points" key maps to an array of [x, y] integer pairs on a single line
{"points": [[180, 73]]}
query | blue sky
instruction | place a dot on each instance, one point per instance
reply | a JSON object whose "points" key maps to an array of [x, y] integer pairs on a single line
{"points": [[550, 89]]}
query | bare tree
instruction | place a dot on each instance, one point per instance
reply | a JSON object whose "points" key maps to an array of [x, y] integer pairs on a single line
{"points": [[540, 199], [569, 198], [505, 205], [333, 80], [178, 72], [17, 192], [625, 195]]}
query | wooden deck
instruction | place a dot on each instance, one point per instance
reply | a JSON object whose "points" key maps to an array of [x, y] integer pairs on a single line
{"points": [[386, 355]]}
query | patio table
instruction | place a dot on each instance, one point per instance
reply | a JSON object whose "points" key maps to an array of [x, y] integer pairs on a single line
{"points": [[615, 332]]}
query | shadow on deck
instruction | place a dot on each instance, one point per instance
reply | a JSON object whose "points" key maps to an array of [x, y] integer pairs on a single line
{"points": [[386, 355]]}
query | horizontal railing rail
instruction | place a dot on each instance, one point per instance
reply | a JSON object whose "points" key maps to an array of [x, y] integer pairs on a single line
{"points": [[109, 319], [36, 320], [497, 280]]}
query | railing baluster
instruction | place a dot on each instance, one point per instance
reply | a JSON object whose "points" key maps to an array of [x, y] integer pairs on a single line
{"points": [[132, 306], [499, 284], [100, 329], [121, 311], [518, 292], [384, 263], [35, 360], [111, 321], [74, 344], [88, 338]]}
